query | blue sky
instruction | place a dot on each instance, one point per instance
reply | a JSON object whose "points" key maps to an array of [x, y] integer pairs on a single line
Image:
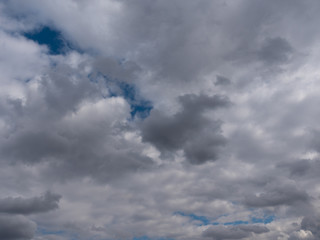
{"points": [[53, 39], [203, 220]]}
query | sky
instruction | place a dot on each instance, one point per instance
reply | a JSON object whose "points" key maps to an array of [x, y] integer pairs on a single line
{"points": [[159, 120]]}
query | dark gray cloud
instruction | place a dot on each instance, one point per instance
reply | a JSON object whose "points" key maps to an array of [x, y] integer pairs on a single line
{"points": [[221, 80], [16, 228], [312, 224], [189, 130], [254, 229], [234, 232], [301, 169], [275, 51], [277, 195], [24, 206], [298, 168]]}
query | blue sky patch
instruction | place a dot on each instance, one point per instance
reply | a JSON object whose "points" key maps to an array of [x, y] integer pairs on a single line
{"points": [[43, 231], [139, 107], [204, 220], [265, 219], [50, 37], [234, 223], [142, 110]]}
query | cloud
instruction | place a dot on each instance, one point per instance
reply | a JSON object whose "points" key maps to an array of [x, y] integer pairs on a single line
{"points": [[299, 235], [221, 80], [282, 195], [312, 224], [24, 206], [183, 129], [275, 51], [206, 108], [308, 228], [234, 232], [12, 48], [74, 128], [16, 228]]}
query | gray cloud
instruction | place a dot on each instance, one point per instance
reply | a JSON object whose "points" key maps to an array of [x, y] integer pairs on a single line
{"points": [[120, 70], [308, 229], [65, 121], [64, 132], [189, 130], [298, 235], [311, 223], [19, 205], [298, 168], [16, 228], [234, 232], [221, 80], [278, 195], [275, 51]]}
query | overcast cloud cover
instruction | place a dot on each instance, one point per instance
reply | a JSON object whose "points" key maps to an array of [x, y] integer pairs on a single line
{"points": [[159, 120]]}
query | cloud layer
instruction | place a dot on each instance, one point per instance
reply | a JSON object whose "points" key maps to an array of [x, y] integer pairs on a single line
{"points": [[159, 119]]}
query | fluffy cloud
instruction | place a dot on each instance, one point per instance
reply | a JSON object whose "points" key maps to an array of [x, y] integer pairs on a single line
{"points": [[189, 130]]}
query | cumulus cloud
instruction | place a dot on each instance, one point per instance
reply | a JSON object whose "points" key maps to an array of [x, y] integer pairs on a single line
{"points": [[74, 127], [189, 130], [311, 224]]}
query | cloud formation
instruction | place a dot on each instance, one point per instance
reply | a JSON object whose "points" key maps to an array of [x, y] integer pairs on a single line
{"points": [[188, 129], [16, 227], [19, 205], [162, 119], [235, 232]]}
